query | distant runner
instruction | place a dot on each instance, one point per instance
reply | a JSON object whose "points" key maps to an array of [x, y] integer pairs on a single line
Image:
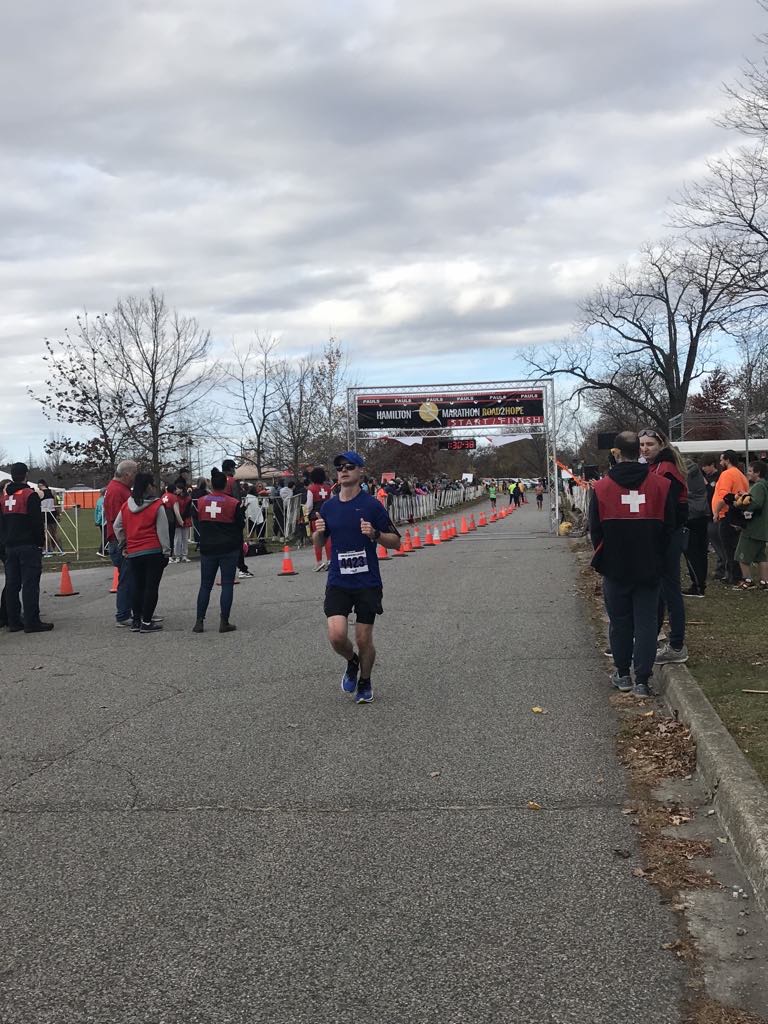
{"points": [[492, 495], [539, 497], [355, 522]]}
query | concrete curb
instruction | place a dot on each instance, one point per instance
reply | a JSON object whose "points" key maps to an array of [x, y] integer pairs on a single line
{"points": [[738, 795]]}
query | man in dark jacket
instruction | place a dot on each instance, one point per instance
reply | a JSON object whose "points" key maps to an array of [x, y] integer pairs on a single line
{"points": [[220, 519], [699, 518], [631, 518], [24, 538]]}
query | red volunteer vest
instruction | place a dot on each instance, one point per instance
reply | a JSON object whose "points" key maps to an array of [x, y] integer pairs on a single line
{"points": [[140, 529], [662, 469], [169, 500], [647, 502], [217, 508], [320, 493], [16, 504], [185, 510]]}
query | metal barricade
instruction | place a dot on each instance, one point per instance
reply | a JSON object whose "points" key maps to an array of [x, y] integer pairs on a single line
{"points": [[62, 532]]}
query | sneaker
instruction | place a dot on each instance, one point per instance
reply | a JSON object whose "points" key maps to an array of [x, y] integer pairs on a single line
{"points": [[668, 655], [364, 693], [349, 679], [150, 627], [245, 575], [199, 626], [319, 567], [185, 559], [39, 627], [135, 625], [16, 629], [763, 585], [225, 626], [621, 683], [642, 690], [692, 592], [158, 618], [745, 585], [124, 622]]}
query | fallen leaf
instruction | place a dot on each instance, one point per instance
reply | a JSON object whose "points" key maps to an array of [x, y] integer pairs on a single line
{"points": [[629, 810], [741, 931], [679, 907], [434, 775], [722, 839], [638, 872], [710, 813], [648, 714], [533, 806], [36, 668]]}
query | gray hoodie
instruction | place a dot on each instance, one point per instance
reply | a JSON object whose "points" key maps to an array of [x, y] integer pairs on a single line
{"points": [[698, 506], [161, 523]]}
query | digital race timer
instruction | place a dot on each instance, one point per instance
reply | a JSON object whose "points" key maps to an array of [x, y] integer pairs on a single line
{"points": [[457, 444]]}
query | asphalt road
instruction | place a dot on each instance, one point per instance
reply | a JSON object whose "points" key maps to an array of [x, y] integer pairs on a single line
{"points": [[205, 829]]}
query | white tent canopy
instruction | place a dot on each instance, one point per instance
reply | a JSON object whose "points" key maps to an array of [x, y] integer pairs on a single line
{"points": [[756, 444]]}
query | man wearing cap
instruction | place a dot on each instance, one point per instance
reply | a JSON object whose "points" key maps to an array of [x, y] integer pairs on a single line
{"points": [[355, 523]]}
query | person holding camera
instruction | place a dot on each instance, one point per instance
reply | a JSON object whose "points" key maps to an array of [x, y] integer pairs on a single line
{"points": [[751, 548]]}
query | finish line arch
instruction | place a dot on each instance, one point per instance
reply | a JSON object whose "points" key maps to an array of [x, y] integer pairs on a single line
{"points": [[493, 410]]}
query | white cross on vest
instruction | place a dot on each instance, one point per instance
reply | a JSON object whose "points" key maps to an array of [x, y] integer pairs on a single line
{"points": [[10, 503], [213, 510], [634, 499], [323, 493]]}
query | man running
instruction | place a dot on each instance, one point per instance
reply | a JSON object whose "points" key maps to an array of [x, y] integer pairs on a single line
{"points": [[355, 522], [492, 495], [539, 496]]}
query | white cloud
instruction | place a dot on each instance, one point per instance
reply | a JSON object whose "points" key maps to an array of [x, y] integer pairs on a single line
{"points": [[437, 182]]}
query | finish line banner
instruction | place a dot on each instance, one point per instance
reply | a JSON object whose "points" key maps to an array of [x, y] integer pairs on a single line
{"points": [[450, 409]]}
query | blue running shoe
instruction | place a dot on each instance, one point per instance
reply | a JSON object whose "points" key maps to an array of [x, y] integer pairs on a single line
{"points": [[364, 692], [349, 679]]}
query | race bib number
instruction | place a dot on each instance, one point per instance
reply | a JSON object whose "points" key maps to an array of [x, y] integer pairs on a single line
{"points": [[352, 562]]}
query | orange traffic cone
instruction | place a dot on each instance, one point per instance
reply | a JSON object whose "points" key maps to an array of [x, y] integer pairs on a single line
{"points": [[493, 518], [416, 544], [382, 553], [472, 524], [428, 540], [454, 531], [436, 539], [481, 521], [65, 584], [115, 580], [399, 552], [287, 569], [444, 534], [407, 546], [464, 527]]}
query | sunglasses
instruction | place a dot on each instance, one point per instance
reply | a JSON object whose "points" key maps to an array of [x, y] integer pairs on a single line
{"points": [[649, 433], [346, 466]]}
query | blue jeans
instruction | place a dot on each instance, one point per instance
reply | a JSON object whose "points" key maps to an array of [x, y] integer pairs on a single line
{"points": [[632, 609], [671, 599], [124, 596], [23, 566], [209, 566]]}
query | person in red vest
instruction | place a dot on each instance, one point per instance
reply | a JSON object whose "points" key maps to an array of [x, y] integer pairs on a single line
{"points": [[220, 520], [170, 500], [141, 529], [665, 461], [184, 506], [117, 493], [318, 492], [23, 535], [631, 521]]}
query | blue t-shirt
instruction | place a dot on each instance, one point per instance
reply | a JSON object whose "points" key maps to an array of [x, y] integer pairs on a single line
{"points": [[354, 563]]}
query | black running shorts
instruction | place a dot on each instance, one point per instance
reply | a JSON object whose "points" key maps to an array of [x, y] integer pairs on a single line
{"points": [[366, 603]]}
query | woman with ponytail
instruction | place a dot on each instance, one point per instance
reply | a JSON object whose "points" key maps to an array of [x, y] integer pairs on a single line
{"points": [[666, 461], [141, 529]]}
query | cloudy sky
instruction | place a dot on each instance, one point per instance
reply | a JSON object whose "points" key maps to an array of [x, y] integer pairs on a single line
{"points": [[436, 182]]}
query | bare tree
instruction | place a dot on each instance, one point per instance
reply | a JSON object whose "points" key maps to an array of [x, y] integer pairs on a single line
{"points": [[296, 422], [330, 378], [645, 336], [83, 388], [163, 362], [252, 381]]}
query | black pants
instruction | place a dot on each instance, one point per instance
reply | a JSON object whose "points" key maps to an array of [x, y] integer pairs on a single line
{"points": [[172, 532], [698, 546], [631, 611], [3, 605], [147, 571], [713, 529], [23, 566], [729, 538]]}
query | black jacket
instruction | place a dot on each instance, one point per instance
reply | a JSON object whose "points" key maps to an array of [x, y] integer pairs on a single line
{"points": [[219, 538], [631, 550], [28, 529]]}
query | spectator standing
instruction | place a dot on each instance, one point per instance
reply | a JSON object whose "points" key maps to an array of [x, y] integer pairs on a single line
{"points": [[23, 534], [118, 491], [699, 517], [711, 473], [730, 481], [751, 548], [50, 522], [220, 519], [631, 520], [664, 461], [198, 491], [318, 492], [170, 502], [235, 490], [181, 542], [141, 529], [98, 518]]}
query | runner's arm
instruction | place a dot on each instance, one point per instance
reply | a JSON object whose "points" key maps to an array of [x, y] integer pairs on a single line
{"points": [[319, 536], [388, 535]]}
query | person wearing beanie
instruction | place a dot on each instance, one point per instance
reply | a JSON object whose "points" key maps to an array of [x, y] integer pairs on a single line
{"points": [[220, 519]]}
